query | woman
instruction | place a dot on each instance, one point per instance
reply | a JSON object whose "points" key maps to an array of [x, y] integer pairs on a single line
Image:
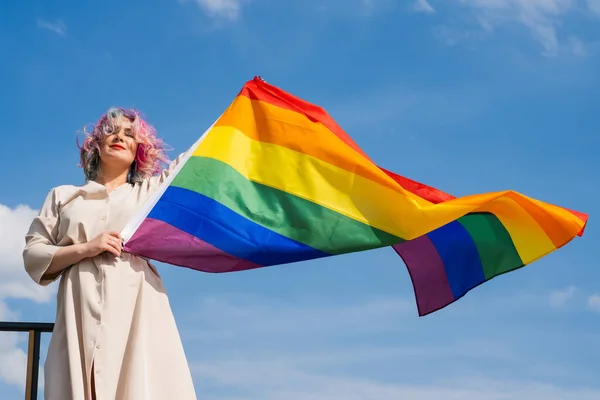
{"points": [[114, 335]]}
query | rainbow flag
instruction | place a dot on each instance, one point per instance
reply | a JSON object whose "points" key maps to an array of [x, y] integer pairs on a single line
{"points": [[275, 180]]}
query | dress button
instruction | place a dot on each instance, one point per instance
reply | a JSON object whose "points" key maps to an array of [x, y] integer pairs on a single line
{"points": [[97, 322], [103, 218], [97, 346], [97, 371]]}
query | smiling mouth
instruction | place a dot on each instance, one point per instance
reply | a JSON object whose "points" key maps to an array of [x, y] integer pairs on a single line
{"points": [[117, 146]]}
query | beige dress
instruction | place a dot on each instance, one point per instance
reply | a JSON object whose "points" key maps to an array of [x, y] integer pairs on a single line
{"points": [[113, 316]]}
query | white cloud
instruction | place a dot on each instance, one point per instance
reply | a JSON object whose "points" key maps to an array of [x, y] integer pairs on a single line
{"points": [[262, 317], [257, 348], [560, 298], [594, 302], [225, 9], [57, 27], [271, 348], [14, 281], [255, 379], [423, 6], [594, 6], [577, 46], [13, 360], [15, 284], [453, 36], [542, 18]]}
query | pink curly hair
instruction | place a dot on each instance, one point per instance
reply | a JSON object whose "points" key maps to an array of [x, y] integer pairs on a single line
{"points": [[150, 155]]}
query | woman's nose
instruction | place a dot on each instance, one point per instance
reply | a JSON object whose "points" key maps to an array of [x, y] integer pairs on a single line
{"points": [[119, 136]]}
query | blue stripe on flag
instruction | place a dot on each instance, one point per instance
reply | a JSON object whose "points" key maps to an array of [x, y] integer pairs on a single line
{"points": [[223, 228]]}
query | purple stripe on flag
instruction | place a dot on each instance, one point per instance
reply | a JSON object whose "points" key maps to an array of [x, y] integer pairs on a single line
{"points": [[160, 241], [426, 269]]}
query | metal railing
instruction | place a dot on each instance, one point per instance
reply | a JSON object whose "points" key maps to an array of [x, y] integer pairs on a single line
{"points": [[35, 330]]}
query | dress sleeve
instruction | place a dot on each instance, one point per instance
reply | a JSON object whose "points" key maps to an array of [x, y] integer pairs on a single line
{"points": [[41, 242]]}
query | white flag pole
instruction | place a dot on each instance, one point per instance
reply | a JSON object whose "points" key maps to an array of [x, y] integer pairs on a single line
{"points": [[143, 212]]}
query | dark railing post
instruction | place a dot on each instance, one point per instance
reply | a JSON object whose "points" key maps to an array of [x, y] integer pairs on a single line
{"points": [[35, 330], [33, 365]]}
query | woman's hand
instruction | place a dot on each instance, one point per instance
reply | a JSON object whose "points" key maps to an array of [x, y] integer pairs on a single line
{"points": [[69, 255], [110, 241]]}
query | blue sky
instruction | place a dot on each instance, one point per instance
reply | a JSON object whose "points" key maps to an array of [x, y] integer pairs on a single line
{"points": [[466, 95]]}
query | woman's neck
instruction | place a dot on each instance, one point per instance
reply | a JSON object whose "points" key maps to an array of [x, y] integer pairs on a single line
{"points": [[112, 179]]}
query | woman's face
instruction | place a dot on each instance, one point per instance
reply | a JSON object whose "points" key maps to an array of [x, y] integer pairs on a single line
{"points": [[120, 147]]}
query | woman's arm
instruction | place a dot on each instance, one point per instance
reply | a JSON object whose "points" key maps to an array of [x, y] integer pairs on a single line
{"points": [[44, 259], [66, 256], [41, 242]]}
